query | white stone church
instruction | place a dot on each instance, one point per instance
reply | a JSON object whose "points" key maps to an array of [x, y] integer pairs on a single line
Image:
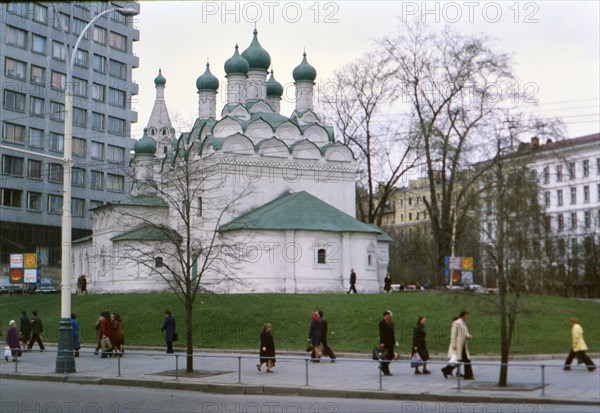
{"points": [[291, 187]]}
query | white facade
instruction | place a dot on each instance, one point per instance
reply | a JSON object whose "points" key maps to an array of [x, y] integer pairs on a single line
{"points": [[287, 177]]}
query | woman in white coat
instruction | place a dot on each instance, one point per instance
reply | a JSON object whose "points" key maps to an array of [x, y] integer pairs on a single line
{"points": [[452, 356]]}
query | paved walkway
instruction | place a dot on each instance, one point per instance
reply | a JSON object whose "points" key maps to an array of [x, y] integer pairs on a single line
{"points": [[352, 375]]}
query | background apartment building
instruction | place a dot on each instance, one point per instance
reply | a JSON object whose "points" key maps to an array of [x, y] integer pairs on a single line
{"points": [[33, 56]]}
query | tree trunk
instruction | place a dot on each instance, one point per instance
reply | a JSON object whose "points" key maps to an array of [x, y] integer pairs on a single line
{"points": [[189, 363], [504, 346]]}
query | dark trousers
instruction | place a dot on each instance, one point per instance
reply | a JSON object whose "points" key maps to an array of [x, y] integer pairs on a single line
{"points": [[35, 337], [352, 288], [581, 358], [467, 363], [327, 351], [169, 347], [385, 367]]}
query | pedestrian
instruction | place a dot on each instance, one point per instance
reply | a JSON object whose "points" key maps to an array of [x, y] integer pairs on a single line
{"points": [[267, 348], [314, 337], [459, 337], [106, 338], [37, 328], [352, 282], [82, 284], [24, 329], [117, 334], [387, 283], [387, 340], [326, 350], [98, 327], [169, 329], [452, 356], [419, 345], [76, 342], [12, 341], [578, 347]]}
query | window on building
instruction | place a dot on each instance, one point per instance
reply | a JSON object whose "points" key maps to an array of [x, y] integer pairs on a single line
{"points": [[562, 248], [96, 180], [573, 196], [598, 192], [559, 197], [98, 122], [116, 97], [585, 166], [58, 80], [115, 183], [55, 204], [38, 44], [573, 220], [40, 13], [116, 126], [36, 106], [61, 21], [38, 75], [14, 100], [15, 68], [99, 35], [587, 219], [321, 256], [410, 216], [117, 41], [79, 117], [546, 174], [410, 201], [59, 51], [559, 173], [95, 204], [34, 169], [81, 58], [158, 262], [199, 206], [547, 199], [115, 153], [57, 111], [97, 150], [77, 207], [34, 201], [548, 223], [597, 166], [99, 63], [12, 165], [19, 9], [117, 69], [79, 147], [561, 222], [36, 138], [574, 249], [78, 177], [98, 92], [78, 26], [571, 170], [118, 17], [586, 193], [16, 37], [57, 142], [55, 172], [79, 87], [13, 133], [12, 197]]}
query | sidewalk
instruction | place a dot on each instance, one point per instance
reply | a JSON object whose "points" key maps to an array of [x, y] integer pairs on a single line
{"points": [[351, 376]]}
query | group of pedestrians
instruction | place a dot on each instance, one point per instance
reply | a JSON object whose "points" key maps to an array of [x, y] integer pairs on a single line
{"points": [[29, 332], [111, 338]]}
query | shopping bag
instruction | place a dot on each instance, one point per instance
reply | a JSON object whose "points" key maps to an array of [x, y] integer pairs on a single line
{"points": [[105, 343], [416, 360], [7, 352], [453, 360]]}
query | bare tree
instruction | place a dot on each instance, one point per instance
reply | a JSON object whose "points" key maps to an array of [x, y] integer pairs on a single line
{"points": [[184, 245], [363, 91], [452, 85]]}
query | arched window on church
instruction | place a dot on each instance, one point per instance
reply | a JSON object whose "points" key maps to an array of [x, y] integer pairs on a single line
{"points": [[164, 131], [165, 149], [369, 260], [321, 256], [158, 262], [152, 131]]}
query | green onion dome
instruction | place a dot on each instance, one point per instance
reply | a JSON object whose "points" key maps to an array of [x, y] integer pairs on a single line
{"points": [[304, 71], [145, 146], [207, 81], [257, 57], [274, 88], [160, 79], [236, 64]]}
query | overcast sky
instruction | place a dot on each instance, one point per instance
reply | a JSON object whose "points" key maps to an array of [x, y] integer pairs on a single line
{"points": [[555, 45]]}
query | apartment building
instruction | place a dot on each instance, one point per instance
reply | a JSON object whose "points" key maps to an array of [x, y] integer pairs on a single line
{"points": [[34, 38]]}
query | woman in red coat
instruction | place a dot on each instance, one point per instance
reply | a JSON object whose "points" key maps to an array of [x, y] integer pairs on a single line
{"points": [[106, 332]]}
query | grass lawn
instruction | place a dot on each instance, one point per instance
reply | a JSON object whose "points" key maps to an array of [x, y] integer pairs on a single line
{"points": [[235, 321]]}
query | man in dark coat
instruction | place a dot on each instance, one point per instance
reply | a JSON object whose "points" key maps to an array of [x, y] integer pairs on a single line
{"points": [[352, 282], [314, 337], [24, 329], [169, 329], [37, 328], [387, 340], [327, 351]]}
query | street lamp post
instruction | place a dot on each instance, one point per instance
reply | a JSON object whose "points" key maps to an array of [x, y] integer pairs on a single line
{"points": [[65, 362]]}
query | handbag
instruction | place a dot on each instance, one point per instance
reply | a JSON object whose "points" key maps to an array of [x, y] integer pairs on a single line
{"points": [[416, 360], [453, 359], [380, 353], [175, 337], [105, 343]]}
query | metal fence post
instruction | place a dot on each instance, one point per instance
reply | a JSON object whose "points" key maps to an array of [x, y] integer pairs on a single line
{"points": [[543, 380], [118, 366], [176, 367], [306, 364], [380, 376], [17, 362], [458, 375], [239, 369]]}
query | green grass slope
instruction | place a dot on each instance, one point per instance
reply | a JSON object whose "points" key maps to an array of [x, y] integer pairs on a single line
{"points": [[235, 321]]}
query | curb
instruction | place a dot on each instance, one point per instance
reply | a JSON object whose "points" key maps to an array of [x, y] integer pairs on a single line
{"points": [[245, 389]]}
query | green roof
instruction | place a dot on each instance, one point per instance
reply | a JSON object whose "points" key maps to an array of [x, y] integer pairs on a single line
{"points": [[147, 201], [304, 71], [207, 81], [383, 236], [160, 79], [256, 56], [236, 64], [299, 211], [82, 240], [148, 233]]}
